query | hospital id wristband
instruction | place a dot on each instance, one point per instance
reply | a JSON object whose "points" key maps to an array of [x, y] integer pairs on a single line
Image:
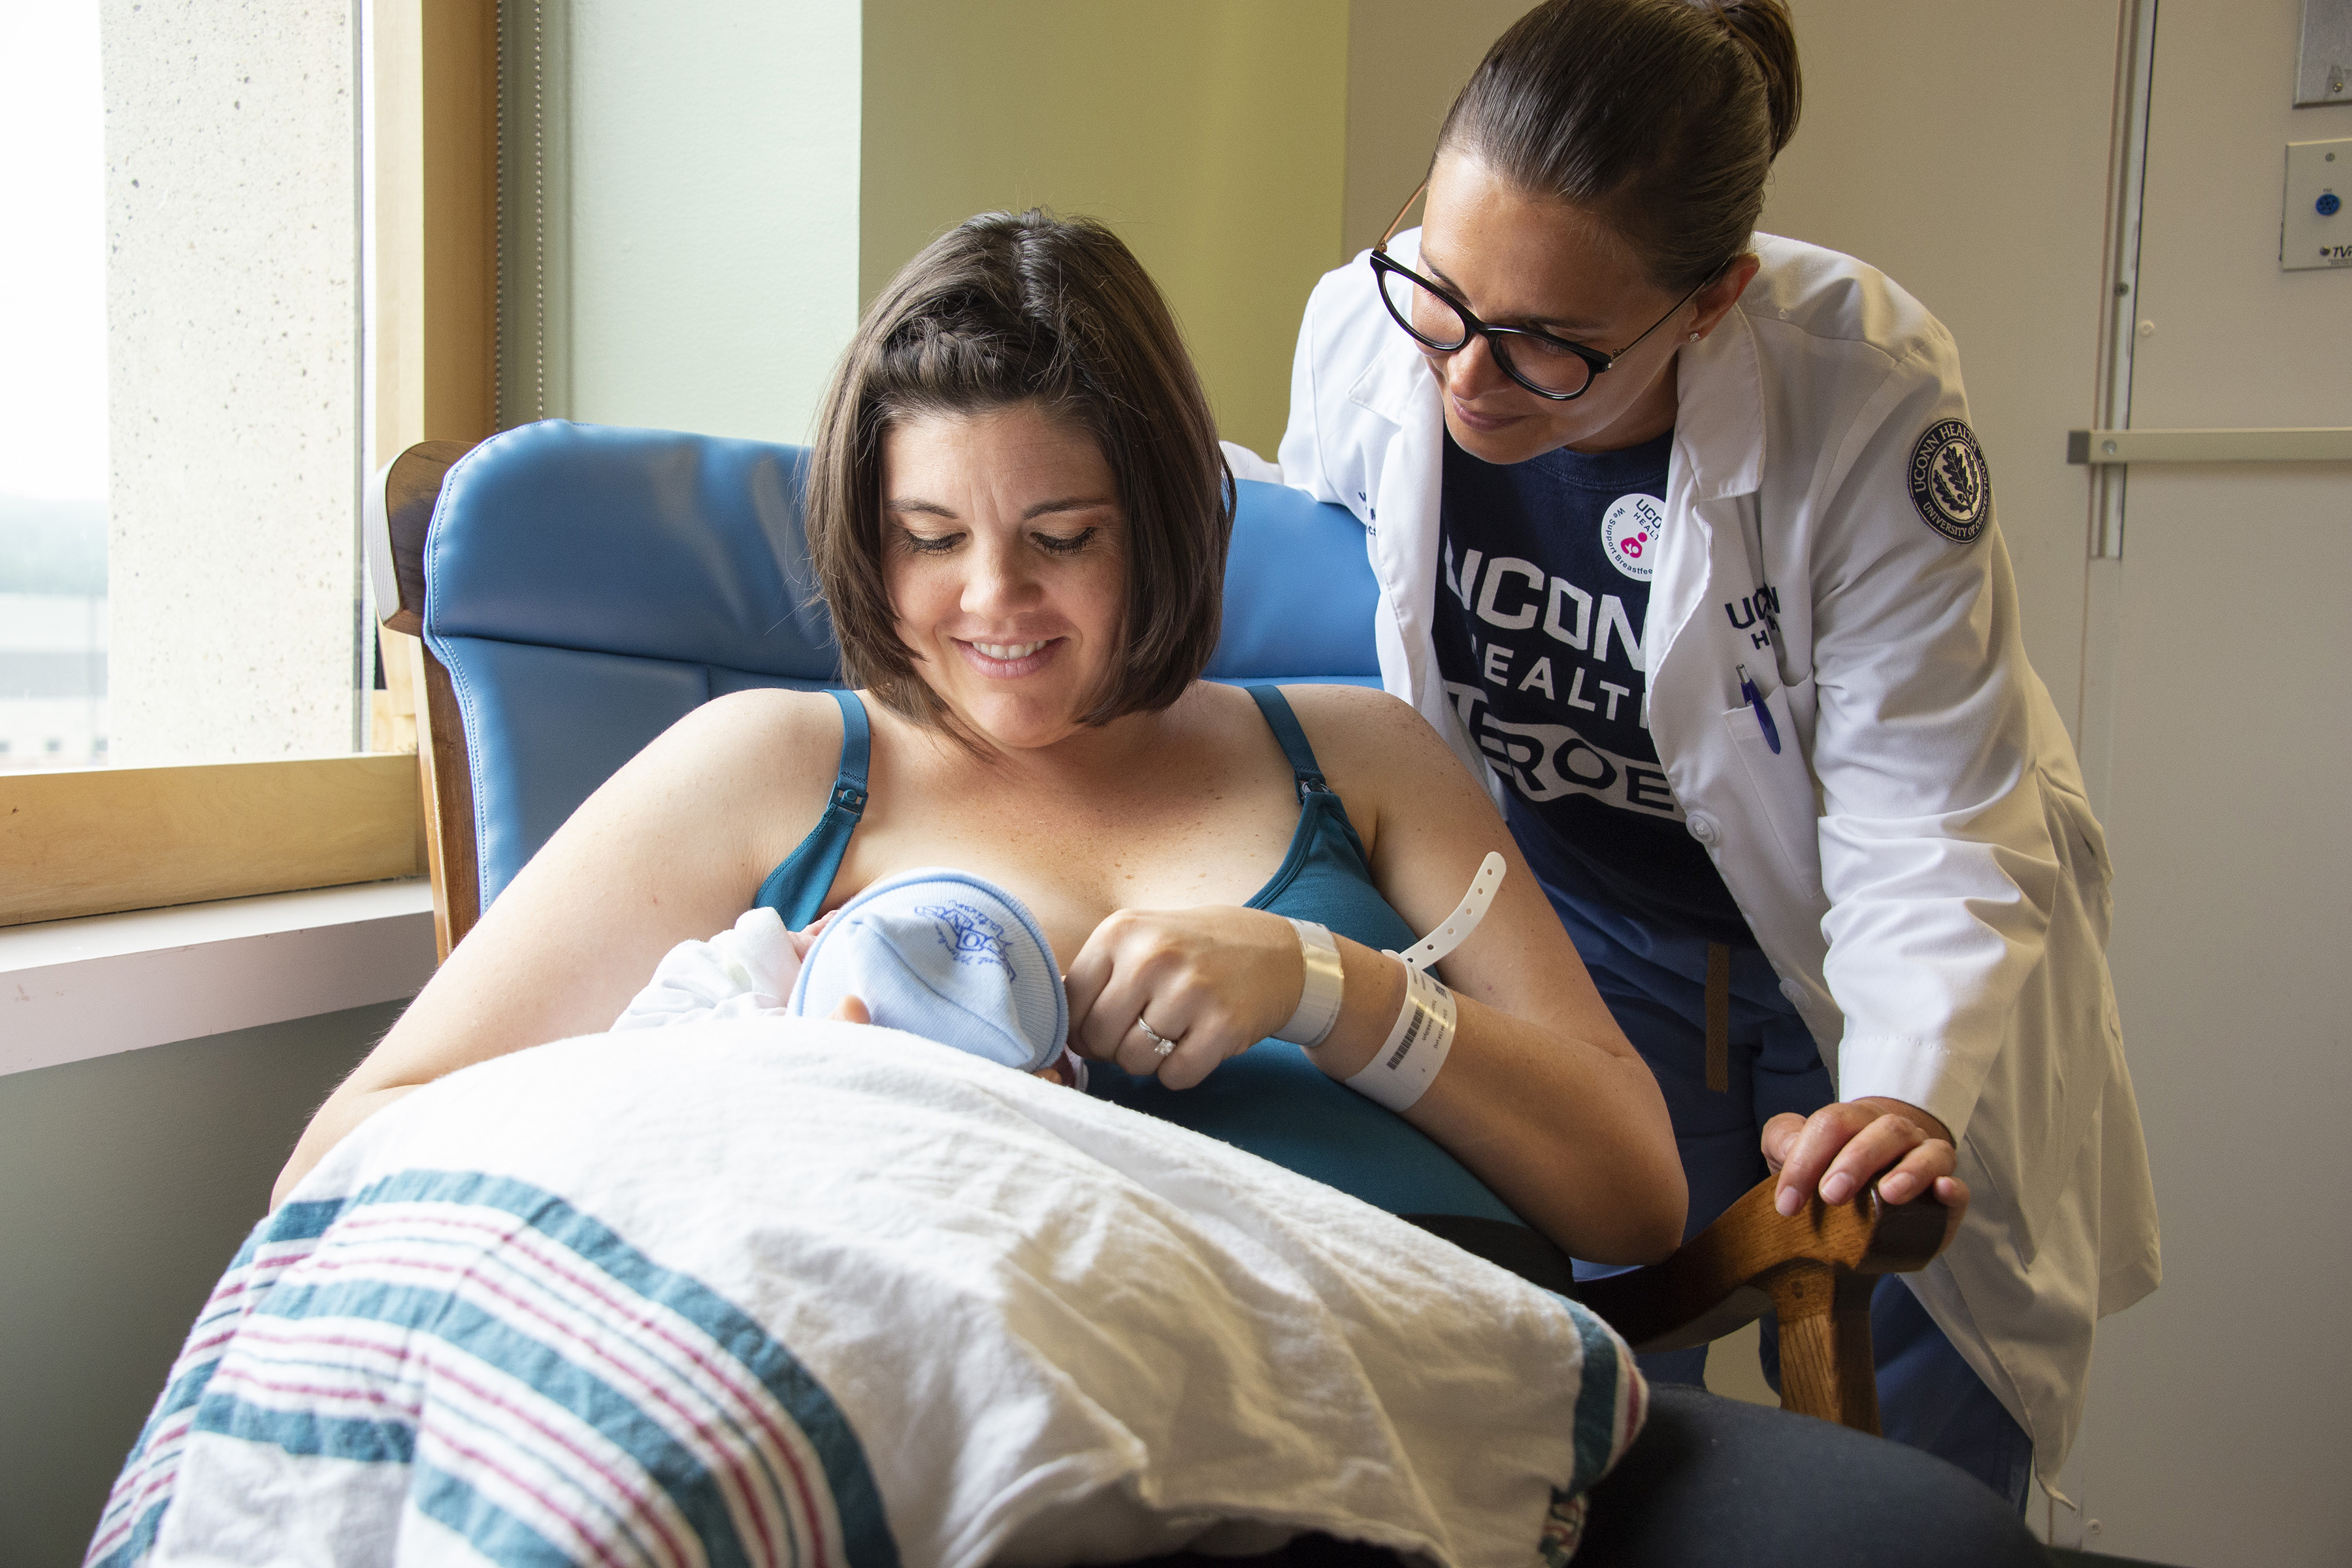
{"points": [[1320, 995], [1416, 1046]]}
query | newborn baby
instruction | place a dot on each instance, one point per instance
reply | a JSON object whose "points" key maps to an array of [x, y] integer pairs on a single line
{"points": [[935, 952]]}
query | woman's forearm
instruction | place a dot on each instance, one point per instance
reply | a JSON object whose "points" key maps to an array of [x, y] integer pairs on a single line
{"points": [[1573, 1136], [344, 1110]]}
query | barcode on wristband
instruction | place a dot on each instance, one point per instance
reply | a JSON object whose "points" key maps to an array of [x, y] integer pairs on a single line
{"points": [[1413, 1034], [1416, 1046]]}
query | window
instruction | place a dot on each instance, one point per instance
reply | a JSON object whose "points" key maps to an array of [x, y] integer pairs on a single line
{"points": [[179, 440], [179, 477], [53, 606]]}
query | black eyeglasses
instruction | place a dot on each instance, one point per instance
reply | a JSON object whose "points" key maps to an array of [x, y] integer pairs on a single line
{"points": [[1546, 365]]}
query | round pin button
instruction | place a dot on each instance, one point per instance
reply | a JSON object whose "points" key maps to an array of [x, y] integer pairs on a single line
{"points": [[2329, 205]]}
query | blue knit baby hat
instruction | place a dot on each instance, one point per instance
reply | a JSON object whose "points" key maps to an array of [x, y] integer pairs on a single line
{"points": [[945, 955]]}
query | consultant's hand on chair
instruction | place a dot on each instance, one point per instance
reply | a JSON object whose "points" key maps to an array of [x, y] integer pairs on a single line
{"points": [[1174, 993], [1837, 1149]]}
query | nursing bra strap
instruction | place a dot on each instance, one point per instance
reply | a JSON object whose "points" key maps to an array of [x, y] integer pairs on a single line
{"points": [[1455, 928]]}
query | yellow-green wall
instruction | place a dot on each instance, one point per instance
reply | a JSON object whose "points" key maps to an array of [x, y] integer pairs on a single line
{"points": [[1211, 135]]}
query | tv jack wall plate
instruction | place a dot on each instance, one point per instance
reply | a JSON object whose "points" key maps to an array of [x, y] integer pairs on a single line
{"points": [[2316, 227]]}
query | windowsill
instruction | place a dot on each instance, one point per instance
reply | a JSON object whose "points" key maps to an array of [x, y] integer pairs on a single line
{"points": [[71, 990]]}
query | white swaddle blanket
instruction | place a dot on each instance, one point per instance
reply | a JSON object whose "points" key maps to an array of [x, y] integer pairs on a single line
{"points": [[786, 1291], [746, 971]]}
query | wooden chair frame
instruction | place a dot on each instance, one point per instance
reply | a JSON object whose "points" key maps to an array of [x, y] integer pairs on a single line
{"points": [[1814, 1269], [398, 512]]}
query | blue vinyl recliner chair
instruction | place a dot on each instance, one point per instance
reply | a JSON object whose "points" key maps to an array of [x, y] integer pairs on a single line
{"points": [[584, 586], [580, 588]]}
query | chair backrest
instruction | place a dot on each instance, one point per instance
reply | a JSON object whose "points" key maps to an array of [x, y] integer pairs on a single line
{"points": [[583, 587]]}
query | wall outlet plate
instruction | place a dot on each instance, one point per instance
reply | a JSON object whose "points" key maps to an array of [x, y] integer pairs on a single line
{"points": [[2316, 227]]}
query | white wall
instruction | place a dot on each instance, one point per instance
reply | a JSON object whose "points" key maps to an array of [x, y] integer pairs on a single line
{"points": [[709, 242], [232, 398], [1963, 149], [131, 1179], [2220, 1408]]}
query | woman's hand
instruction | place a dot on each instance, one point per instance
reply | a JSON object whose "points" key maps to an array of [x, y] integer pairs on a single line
{"points": [[1838, 1147], [1215, 980]]}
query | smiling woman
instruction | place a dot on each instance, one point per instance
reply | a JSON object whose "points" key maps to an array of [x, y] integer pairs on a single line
{"points": [[1006, 555], [970, 326], [1685, 541]]}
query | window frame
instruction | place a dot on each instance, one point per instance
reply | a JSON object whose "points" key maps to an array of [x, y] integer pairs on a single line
{"points": [[103, 840]]}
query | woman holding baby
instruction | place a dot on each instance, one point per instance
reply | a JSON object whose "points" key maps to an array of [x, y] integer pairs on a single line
{"points": [[1018, 512]]}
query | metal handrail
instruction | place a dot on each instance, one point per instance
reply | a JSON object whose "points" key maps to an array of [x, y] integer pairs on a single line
{"points": [[2316, 445]]}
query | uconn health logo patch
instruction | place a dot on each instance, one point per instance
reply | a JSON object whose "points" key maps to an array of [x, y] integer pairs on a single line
{"points": [[1949, 481]]}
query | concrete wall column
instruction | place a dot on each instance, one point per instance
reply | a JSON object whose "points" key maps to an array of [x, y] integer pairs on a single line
{"points": [[233, 330]]}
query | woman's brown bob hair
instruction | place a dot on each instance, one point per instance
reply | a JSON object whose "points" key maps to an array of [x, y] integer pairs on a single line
{"points": [[1027, 307]]}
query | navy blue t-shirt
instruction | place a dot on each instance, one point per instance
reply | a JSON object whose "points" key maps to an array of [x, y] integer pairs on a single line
{"points": [[1546, 569]]}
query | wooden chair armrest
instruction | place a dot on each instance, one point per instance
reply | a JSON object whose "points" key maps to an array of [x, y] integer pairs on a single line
{"points": [[398, 512], [1815, 1269]]}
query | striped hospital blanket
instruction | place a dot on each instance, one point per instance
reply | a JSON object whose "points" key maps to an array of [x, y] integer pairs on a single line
{"points": [[821, 1296]]}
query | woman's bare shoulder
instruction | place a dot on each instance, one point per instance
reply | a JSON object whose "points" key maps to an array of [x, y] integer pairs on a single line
{"points": [[1338, 720], [766, 746], [1357, 728], [1393, 771]]}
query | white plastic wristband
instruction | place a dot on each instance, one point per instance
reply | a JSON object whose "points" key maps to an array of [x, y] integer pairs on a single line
{"points": [[1319, 995], [1455, 929], [1416, 1046]]}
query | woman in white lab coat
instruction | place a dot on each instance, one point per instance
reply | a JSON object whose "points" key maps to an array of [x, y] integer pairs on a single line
{"points": [[1685, 544]]}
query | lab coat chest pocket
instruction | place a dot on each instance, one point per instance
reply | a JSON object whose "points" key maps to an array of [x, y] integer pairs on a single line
{"points": [[1781, 780]]}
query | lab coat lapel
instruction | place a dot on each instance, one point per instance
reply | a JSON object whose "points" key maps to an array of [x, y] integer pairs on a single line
{"points": [[1719, 421], [1402, 520], [1718, 457], [1760, 806]]}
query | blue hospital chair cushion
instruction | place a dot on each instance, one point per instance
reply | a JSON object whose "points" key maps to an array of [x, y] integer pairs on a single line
{"points": [[1299, 593], [648, 542], [945, 955]]}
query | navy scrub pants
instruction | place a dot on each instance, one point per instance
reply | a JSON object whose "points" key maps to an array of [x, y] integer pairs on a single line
{"points": [[1656, 986]]}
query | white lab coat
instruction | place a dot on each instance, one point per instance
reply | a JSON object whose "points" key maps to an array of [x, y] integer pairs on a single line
{"points": [[1919, 859]]}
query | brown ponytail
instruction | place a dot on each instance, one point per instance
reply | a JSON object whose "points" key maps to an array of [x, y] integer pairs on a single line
{"points": [[1663, 116], [1765, 30]]}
